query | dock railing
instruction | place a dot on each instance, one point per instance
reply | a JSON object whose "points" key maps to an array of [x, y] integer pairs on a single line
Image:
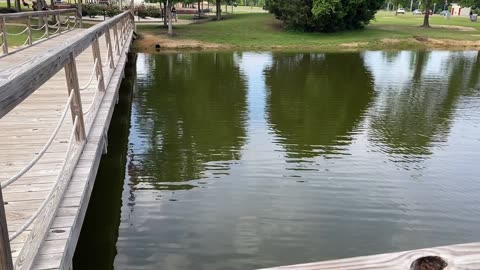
{"points": [[34, 27], [17, 83]]}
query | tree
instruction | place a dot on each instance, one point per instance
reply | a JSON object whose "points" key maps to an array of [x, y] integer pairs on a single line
{"points": [[426, 19], [324, 15], [218, 4]]}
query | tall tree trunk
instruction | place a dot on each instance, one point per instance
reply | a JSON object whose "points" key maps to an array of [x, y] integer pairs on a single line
{"points": [[219, 10], [198, 7], [18, 6], [169, 12], [9, 4], [165, 13], [426, 19]]}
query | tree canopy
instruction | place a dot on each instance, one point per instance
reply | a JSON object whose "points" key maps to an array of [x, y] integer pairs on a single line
{"points": [[324, 15]]}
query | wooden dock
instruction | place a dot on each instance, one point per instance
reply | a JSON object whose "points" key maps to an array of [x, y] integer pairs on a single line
{"points": [[57, 97]]}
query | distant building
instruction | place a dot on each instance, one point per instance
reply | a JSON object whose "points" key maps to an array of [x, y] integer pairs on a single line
{"points": [[458, 10]]}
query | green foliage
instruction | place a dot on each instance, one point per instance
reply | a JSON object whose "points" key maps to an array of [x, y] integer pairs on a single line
{"points": [[324, 15], [148, 11], [93, 10]]}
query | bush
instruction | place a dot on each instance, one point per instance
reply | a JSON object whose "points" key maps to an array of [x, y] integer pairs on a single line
{"points": [[324, 15], [93, 10], [112, 10], [148, 11], [141, 11]]}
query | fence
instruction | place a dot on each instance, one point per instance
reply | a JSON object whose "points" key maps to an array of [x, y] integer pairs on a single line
{"points": [[23, 27]]}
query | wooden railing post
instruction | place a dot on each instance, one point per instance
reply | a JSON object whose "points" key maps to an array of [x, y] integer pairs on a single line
{"points": [[99, 70], [115, 35], [6, 262], [3, 30], [76, 104], [29, 31], [109, 45], [45, 19]]}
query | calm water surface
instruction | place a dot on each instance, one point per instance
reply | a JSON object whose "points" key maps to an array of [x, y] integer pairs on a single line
{"points": [[248, 160]]}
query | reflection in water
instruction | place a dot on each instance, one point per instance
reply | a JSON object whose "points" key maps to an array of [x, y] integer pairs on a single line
{"points": [[250, 160], [191, 114], [96, 246], [418, 94], [316, 101]]}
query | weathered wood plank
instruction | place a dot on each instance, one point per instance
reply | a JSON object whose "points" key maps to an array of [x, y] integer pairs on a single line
{"points": [[459, 257], [6, 262]]}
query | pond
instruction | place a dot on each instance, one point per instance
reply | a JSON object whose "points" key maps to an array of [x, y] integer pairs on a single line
{"points": [[243, 160]]}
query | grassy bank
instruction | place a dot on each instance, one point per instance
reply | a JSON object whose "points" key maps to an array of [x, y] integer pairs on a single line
{"points": [[262, 31]]}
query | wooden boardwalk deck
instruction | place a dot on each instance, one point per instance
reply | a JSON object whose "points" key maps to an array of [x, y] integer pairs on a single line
{"points": [[28, 126]]}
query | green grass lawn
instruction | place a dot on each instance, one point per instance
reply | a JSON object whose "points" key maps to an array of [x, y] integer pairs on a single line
{"points": [[257, 30]]}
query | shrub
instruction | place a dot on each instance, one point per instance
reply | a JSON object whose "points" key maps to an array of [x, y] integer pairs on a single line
{"points": [[93, 10], [148, 11], [112, 10], [324, 15]]}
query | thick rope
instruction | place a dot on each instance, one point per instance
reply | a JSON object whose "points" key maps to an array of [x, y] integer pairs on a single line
{"points": [[53, 27], [43, 36], [93, 101], [66, 21], [91, 76], [45, 202], [17, 34], [107, 62], [38, 29], [26, 41], [44, 149]]}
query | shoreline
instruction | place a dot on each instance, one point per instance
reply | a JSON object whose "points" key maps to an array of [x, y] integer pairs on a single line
{"points": [[146, 44]]}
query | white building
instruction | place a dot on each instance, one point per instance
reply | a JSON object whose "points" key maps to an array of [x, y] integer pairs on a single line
{"points": [[458, 10]]}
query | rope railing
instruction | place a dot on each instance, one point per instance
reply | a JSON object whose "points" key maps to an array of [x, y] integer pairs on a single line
{"points": [[47, 199], [87, 111], [17, 34], [107, 61], [95, 64], [59, 27], [38, 29], [42, 151]]}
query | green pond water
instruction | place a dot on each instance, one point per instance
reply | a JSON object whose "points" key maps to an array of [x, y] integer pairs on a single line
{"points": [[243, 160]]}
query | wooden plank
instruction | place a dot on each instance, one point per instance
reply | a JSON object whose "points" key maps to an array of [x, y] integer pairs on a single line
{"points": [[6, 262], [464, 256]]}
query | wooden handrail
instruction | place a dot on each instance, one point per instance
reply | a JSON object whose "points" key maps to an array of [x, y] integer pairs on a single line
{"points": [[38, 13], [19, 82]]}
